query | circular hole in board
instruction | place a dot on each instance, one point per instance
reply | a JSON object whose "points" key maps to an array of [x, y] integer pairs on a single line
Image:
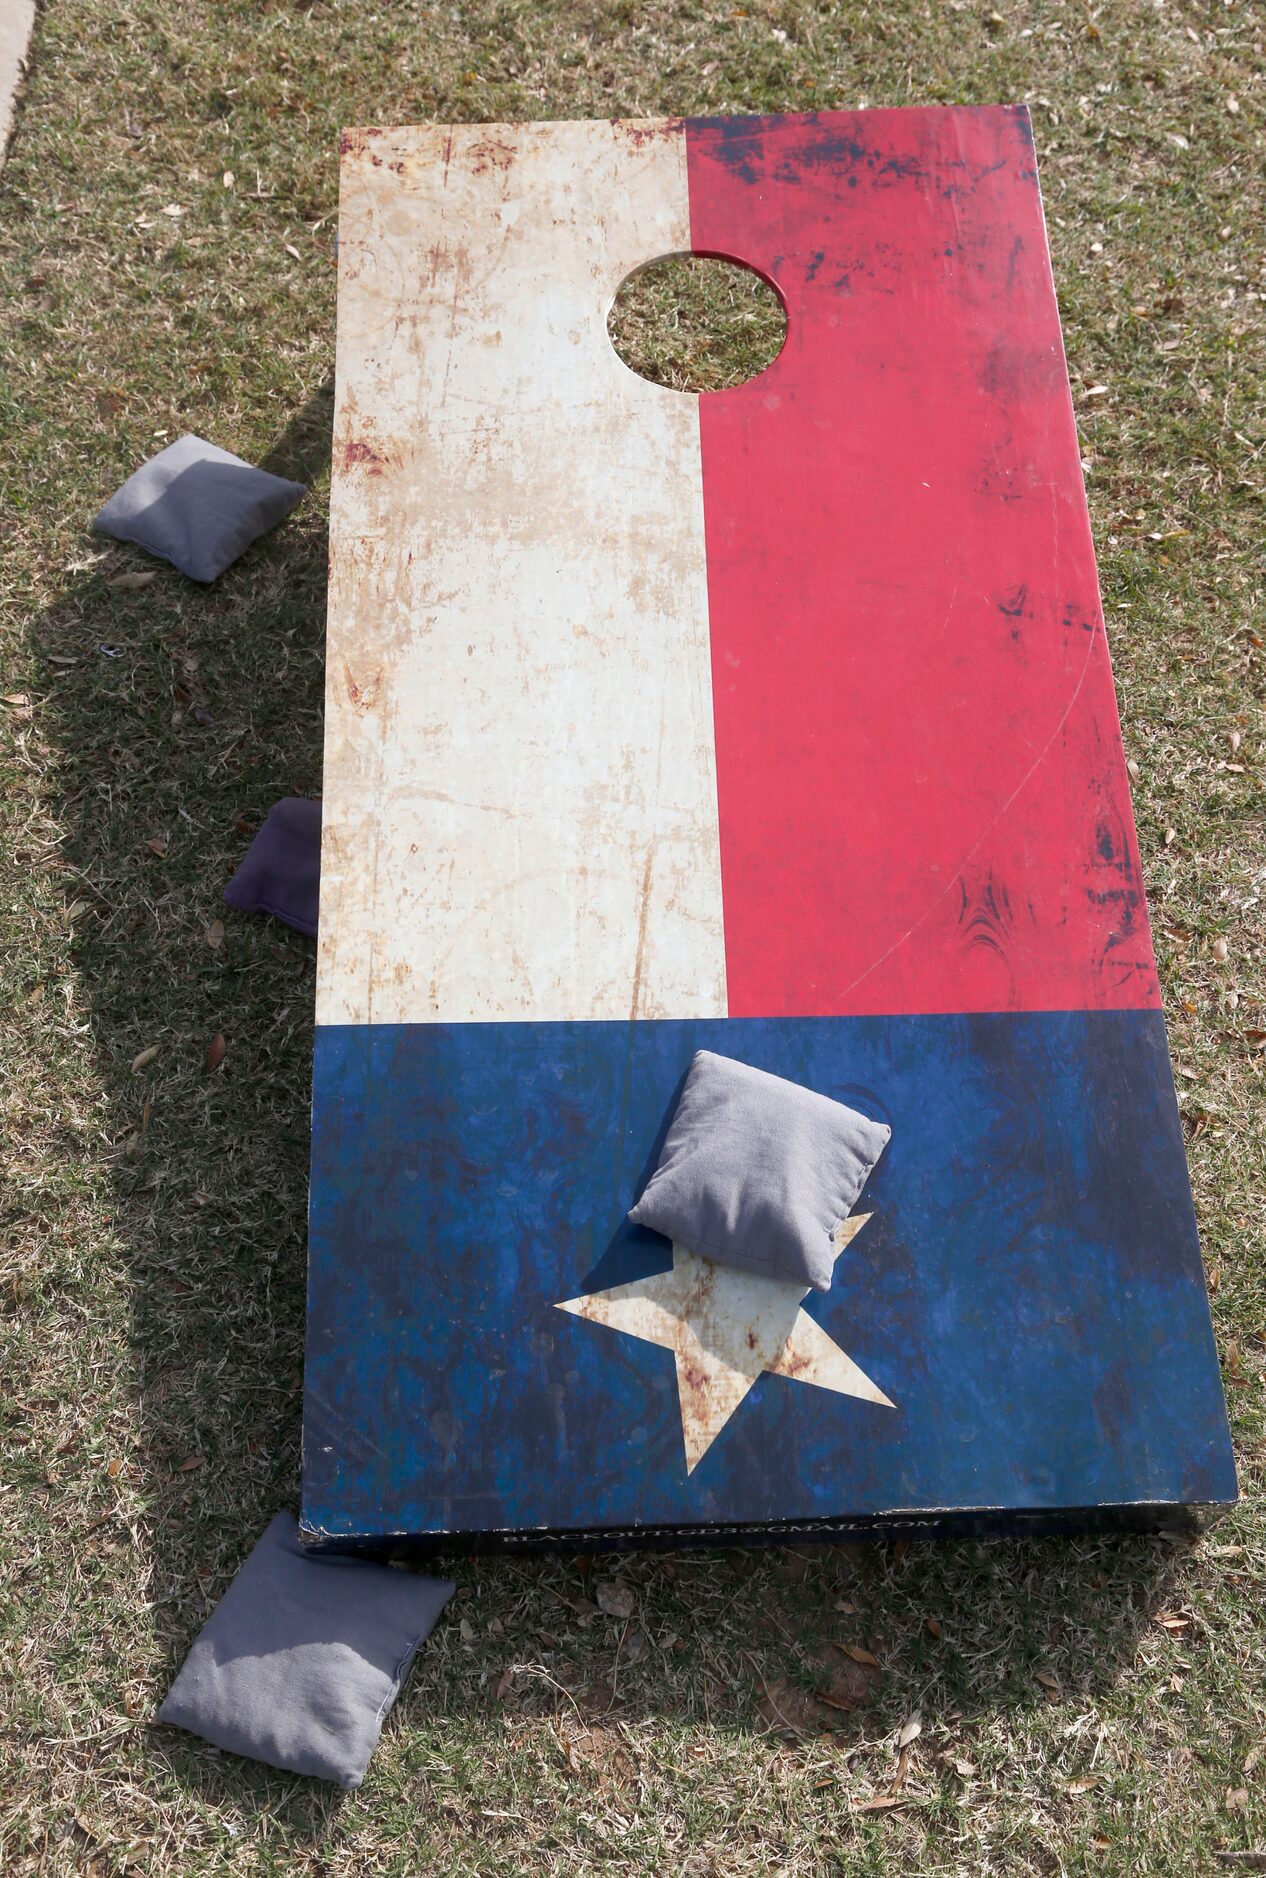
{"points": [[695, 322]]}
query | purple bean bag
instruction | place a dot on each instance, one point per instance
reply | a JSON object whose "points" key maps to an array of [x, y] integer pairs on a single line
{"points": [[281, 873]]}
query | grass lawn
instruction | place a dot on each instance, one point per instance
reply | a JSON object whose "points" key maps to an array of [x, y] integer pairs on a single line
{"points": [[167, 227]]}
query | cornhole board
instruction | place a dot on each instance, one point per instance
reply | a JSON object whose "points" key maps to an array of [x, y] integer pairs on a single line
{"points": [[778, 722]]}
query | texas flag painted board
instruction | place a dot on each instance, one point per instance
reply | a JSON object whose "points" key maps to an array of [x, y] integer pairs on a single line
{"points": [[778, 722]]}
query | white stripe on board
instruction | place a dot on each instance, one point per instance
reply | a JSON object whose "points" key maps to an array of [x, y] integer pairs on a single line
{"points": [[520, 779]]}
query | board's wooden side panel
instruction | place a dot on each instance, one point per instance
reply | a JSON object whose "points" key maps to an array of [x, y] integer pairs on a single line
{"points": [[520, 792]]}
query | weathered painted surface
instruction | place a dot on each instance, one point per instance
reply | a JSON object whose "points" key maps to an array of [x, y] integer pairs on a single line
{"points": [[1027, 1291], [520, 776], [791, 699], [778, 722], [17, 17], [904, 603], [724, 1328]]}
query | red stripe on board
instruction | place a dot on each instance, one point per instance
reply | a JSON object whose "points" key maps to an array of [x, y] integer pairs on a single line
{"points": [[923, 798]]}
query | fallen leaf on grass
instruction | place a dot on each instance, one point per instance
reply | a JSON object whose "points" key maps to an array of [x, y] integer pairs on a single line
{"points": [[910, 1731], [128, 583], [1236, 1799], [215, 934], [888, 1804], [852, 1684], [503, 1685], [965, 1770], [1048, 1679], [467, 1630], [858, 1654], [215, 1050], [143, 1057], [192, 1464], [789, 1710], [1171, 1620], [635, 1645], [834, 1701], [614, 1597], [1083, 1783], [932, 1625], [17, 699], [157, 845]]}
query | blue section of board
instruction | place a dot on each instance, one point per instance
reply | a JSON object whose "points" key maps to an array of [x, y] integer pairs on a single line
{"points": [[1028, 1291]]}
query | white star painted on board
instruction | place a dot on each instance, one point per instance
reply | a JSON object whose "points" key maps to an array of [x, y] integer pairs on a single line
{"points": [[724, 1327]]}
